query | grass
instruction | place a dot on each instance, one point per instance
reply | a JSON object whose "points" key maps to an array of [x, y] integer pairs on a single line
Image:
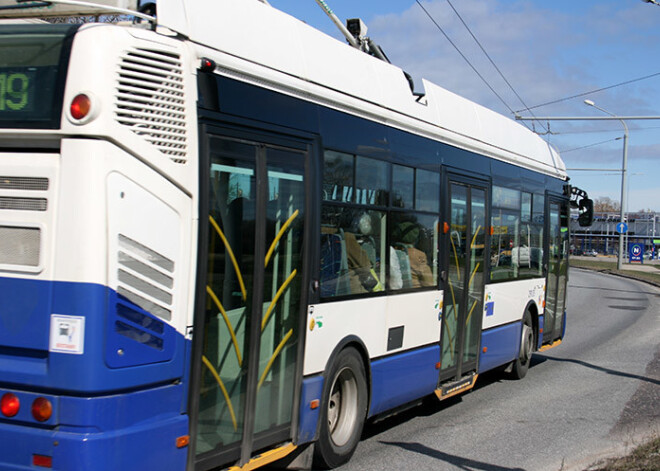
{"points": [[609, 266], [645, 457]]}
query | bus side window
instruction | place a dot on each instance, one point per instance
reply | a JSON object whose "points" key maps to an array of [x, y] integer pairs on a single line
{"points": [[352, 248], [411, 246]]}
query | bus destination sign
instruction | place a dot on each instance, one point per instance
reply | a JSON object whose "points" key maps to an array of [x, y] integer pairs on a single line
{"points": [[17, 90]]}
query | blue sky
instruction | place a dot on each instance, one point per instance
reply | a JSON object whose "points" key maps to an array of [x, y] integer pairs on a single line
{"points": [[547, 50]]}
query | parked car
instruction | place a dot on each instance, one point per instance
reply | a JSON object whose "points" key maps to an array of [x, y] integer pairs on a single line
{"points": [[591, 253]]}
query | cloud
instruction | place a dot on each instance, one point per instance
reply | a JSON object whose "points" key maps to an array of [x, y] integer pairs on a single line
{"points": [[546, 52]]}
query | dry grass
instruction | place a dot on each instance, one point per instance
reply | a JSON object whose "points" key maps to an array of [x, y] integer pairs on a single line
{"points": [[646, 457], [609, 266]]}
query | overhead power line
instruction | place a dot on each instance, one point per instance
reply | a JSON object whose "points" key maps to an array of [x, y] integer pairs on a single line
{"points": [[491, 60], [590, 145], [579, 95], [464, 57]]}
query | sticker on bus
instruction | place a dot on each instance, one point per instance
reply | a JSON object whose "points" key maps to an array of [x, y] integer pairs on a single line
{"points": [[67, 334]]}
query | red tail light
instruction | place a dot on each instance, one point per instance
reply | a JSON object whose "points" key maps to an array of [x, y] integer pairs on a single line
{"points": [[9, 405], [42, 461], [80, 106], [42, 409]]}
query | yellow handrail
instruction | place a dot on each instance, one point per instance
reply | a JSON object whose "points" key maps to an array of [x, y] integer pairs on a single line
{"points": [[470, 314], [474, 272], [222, 388], [271, 306], [272, 358], [227, 321], [283, 229], [458, 269], [231, 256], [475, 237]]}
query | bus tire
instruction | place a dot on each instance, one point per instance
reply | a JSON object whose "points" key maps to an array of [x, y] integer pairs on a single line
{"points": [[343, 411], [521, 364]]}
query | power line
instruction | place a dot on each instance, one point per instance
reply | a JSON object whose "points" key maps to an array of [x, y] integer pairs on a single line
{"points": [[602, 131], [464, 57], [560, 100], [590, 145], [491, 60]]}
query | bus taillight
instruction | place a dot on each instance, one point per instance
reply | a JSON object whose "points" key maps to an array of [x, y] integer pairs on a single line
{"points": [[80, 106], [9, 405], [42, 409]]}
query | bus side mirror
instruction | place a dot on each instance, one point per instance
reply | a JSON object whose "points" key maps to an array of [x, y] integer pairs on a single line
{"points": [[586, 209]]}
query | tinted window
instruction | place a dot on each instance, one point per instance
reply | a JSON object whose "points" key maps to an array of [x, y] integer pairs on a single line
{"points": [[427, 196], [338, 177], [371, 182]]}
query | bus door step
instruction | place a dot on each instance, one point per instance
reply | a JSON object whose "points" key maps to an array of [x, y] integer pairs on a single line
{"points": [[452, 388]]}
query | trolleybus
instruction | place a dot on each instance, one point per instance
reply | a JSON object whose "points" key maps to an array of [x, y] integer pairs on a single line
{"points": [[228, 239]]}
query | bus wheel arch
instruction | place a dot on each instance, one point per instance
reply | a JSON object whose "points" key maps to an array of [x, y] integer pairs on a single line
{"points": [[344, 405]]}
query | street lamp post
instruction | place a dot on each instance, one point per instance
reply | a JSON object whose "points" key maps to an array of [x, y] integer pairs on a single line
{"points": [[623, 176]]}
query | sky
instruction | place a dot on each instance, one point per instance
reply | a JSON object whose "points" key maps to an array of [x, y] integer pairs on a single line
{"points": [[547, 50]]}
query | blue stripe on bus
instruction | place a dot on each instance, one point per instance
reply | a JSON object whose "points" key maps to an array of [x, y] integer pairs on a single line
{"points": [[502, 345], [124, 347], [402, 378]]}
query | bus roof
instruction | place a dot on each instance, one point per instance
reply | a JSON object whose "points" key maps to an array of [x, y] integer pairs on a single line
{"points": [[273, 47]]}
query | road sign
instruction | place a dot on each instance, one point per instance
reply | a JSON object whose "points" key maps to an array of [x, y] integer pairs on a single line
{"points": [[622, 228], [636, 252]]}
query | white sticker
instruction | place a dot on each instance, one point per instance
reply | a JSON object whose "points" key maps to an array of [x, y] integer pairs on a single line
{"points": [[67, 334]]}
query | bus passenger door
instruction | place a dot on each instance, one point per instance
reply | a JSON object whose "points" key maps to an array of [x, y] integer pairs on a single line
{"points": [[465, 252], [557, 267], [250, 295]]}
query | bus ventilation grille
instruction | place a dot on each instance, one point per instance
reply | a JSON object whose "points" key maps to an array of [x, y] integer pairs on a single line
{"points": [[150, 100], [145, 278], [20, 246]]}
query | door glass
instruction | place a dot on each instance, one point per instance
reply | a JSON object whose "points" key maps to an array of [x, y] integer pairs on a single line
{"points": [[282, 288], [455, 275], [562, 271], [476, 279], [228, 287], [553, 270]]}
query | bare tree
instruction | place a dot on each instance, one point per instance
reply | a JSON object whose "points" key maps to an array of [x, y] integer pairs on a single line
{"points": [[605, 204]]}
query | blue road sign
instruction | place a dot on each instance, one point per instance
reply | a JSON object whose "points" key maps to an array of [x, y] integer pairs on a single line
{"points": [[636, 252], [622, 228]]}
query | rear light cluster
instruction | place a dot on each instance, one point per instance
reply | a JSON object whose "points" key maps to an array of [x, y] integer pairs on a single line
{"points": [[10, 405]]}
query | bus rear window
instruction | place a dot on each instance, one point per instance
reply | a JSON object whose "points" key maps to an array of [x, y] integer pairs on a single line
{"points": [[33, 64]]}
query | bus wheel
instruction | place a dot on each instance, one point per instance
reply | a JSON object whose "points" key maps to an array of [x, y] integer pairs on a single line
{"points": [[521, 364], [344, 410]]}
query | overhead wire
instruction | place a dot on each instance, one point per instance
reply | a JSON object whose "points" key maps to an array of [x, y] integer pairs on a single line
{"points": [[492, 61], [579, 95], [590, 145], [464, 57]]}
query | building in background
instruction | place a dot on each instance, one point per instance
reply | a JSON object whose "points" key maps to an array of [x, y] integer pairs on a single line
{"points": [[602, 237]]}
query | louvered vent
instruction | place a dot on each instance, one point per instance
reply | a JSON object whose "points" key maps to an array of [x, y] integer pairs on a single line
{"points": [[150, 100], [20, 246], [145, 278]]}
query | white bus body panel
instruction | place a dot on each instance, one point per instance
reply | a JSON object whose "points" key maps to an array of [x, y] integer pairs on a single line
{"points": [[505, 303], [369, 320]]}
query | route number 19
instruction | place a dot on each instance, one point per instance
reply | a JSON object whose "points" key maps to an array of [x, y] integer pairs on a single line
{"points": [[13, 91]]}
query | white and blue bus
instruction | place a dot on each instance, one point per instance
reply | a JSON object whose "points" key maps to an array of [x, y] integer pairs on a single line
{"points": [[227, 239]]}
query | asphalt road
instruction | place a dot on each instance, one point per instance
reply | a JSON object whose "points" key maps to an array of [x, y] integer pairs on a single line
{"points": [[596, 394]]}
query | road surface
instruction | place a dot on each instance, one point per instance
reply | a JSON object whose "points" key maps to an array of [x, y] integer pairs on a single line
{"points": [[597, 394]]}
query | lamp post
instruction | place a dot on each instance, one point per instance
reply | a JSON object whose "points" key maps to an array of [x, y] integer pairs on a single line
{"points": [[623, 176]]}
